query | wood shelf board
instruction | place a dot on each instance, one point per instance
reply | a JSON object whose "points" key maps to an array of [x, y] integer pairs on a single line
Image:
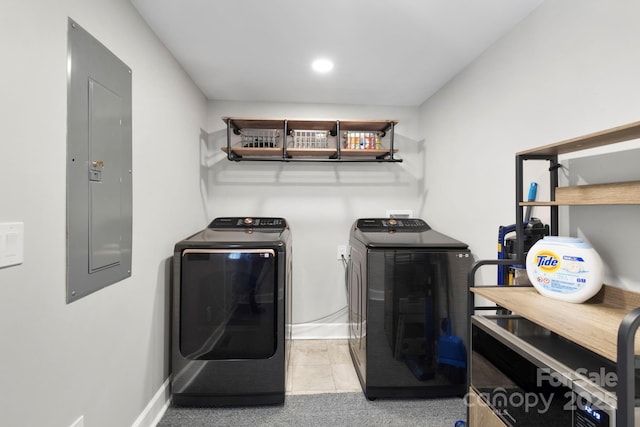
{"points": [[547, 203], [618, 193], [246, 123], [255, 152], [593, 324], [613, 193], [480, 414], [311, 152], [309, 124], [350, 152], [597, 139], [581, 203], [327, 125], [304, 152], [366, 125]]}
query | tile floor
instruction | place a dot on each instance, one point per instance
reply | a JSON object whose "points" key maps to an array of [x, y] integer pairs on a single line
{"points": [[321, 366]]}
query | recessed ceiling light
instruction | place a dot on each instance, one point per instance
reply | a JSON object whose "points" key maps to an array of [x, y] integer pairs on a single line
{"points": [[322, 65]]}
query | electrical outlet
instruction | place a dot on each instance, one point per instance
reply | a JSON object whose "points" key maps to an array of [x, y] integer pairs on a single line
{"points": [[342, 252], [399, 213]]}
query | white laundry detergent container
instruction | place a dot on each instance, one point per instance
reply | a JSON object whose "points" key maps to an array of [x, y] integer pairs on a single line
{"points": [[565, 268]]}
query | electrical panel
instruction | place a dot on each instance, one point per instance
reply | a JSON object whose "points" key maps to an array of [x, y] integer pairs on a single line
{"points": [[99, 175]]}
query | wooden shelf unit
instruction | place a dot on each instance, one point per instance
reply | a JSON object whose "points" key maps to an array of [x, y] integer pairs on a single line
{"points": [[614, 135], [590, 324], [616, 193], [608, 322], [333, 153]]}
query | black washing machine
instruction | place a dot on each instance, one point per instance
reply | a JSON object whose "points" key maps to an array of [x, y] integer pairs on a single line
{"points": [[231, 313], [408, 315]]}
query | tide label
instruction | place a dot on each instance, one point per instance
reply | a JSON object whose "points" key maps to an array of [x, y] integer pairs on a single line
{"points": [[547, 261]]}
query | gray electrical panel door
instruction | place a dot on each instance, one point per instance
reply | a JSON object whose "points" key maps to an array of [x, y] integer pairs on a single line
{"points": [[99, 195]]}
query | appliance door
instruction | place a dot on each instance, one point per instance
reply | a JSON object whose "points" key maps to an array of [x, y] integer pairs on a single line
{"points": [[530, 376], [416, 298], [228, 301]]}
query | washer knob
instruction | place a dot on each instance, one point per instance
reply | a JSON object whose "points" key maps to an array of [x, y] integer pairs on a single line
{"points": [[392, 222], [248, 221]]}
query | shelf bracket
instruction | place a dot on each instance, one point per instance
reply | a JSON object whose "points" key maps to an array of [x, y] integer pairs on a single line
{"points": [[285, 130], [391, 137], [555, 166], [230, 155]]}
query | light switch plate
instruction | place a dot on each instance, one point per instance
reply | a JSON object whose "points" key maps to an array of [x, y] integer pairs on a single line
{"points": [[79, 422], [11, 243]]}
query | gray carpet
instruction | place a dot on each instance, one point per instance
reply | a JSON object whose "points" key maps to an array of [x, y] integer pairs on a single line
{"points": [[331, 410]]}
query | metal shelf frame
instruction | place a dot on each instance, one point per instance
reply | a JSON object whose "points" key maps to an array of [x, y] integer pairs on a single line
{"points": [[334, 126], [627, 362]]}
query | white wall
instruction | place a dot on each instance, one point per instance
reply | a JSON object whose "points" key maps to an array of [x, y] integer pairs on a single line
{"points": [[569, 69], [105, 356], [320, 200]]}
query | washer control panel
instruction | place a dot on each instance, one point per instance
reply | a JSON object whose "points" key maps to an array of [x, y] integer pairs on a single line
{"points": [[372, 225], [248, 222]]}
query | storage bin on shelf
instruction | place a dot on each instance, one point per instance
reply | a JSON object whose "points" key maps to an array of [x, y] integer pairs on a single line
{"points": [[309, 139], [361, 140], [259, 138], [256, 142]]}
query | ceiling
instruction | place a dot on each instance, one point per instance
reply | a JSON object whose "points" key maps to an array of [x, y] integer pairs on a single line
{"points": [[386, 52]]}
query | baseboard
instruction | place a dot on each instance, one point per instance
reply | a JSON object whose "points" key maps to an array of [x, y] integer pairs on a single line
{"points": [[157, 406], [160, 402], [315, 331]]}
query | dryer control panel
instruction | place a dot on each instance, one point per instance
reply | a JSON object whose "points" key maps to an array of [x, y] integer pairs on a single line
{"points": [[248, 222], [372, 225]]}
